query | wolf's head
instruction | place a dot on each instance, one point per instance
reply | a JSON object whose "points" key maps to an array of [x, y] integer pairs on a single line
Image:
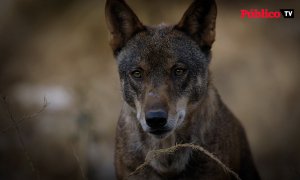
{"points": [[163, 69]]}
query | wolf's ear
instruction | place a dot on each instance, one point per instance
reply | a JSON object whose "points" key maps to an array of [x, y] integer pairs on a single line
{"points": [[122, 23], [199, 22]]}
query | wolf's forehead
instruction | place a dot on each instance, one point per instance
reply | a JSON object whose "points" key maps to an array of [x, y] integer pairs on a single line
{"points": [[161, 45], [162, 37]]}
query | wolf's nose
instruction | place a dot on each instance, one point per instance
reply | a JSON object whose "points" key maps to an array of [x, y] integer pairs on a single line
{"points": [[156, 119]]}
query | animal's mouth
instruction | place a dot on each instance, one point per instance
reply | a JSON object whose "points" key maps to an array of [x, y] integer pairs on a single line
{"points": [[159, 132]]}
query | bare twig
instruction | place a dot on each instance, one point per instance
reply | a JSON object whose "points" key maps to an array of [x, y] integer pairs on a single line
{"points": [[20, 138], [171, 150], [27, 117], [78, 162]]}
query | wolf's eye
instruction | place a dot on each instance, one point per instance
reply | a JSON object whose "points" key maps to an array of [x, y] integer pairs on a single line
{"points": [[136, 74], [179, 72]]}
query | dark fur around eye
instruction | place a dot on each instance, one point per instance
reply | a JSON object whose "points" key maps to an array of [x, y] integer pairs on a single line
{"points": [[136, 74], [179, 72]]}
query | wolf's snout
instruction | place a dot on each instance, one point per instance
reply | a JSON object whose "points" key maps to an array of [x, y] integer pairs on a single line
{"points": [[156, 119]]}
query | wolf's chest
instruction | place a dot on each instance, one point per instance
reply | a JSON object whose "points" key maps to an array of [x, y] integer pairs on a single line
{"points": [[172, 163]]}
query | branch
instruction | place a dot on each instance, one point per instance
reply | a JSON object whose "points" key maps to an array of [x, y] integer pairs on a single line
{"points": [[27, 117], [15, 124]]}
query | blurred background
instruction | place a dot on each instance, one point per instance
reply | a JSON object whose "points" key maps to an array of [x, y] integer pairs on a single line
{"points": [[58, 49]]}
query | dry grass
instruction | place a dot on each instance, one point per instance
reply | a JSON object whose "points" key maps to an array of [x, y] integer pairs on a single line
{"points": [[171, 150], [78, 161]]}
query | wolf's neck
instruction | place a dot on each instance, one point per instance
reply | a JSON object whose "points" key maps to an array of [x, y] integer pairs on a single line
{"points": [[205, 116]]}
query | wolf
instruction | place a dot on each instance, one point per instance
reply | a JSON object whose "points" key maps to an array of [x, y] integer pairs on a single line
{"points": [[169, 98]]}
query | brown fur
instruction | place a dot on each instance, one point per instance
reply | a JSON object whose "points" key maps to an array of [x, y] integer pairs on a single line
{"points": [[196, 113]]}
